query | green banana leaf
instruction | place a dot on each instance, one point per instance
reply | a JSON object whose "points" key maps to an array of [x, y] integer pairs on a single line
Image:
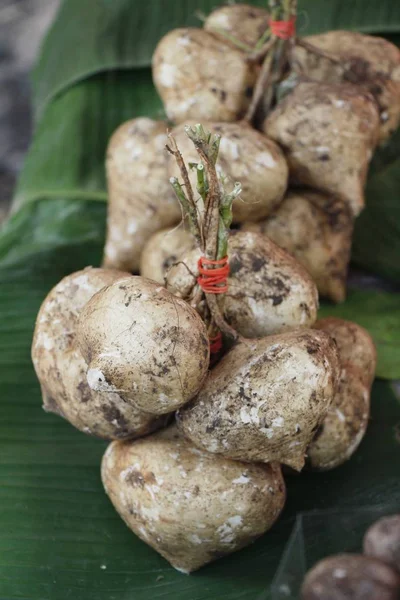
{"points": [[60, 537]]}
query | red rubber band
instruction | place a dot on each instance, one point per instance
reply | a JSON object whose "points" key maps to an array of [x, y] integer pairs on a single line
{"points": [[283, 29], [213, 280], [216, 343]]}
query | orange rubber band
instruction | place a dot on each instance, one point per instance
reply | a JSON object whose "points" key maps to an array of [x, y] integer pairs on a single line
{"points": [[216, 343], [283, 29], [213, 280]]}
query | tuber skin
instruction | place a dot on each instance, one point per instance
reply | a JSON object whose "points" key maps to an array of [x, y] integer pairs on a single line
{"points": [[247, 156], [143, 343], [351, 577], [265, 399], [365, 60], [268, 290], [316, 230], [347, 419], [140, 197], [241, 24], [198, 76], [190, 506], [356, 348], [163, 250], [382, 541], [328, 133], [61, 369]]}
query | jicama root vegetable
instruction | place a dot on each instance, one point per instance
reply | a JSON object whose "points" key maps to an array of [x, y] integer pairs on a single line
{"points": [[317, 230], [140, 197], [369, 61], [61, 369], [351, 577], [190, 506], [382, 541], [265, 399], [200, 77], [242, 24], [143, 343], [268, 290], [328, 133], [247, 156], [163, 250], [345, 424]]}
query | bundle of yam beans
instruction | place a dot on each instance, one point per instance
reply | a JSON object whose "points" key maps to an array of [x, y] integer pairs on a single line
{"points": [[196, 347]]}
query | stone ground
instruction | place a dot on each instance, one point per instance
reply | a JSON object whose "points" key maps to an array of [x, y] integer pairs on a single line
{"points": [[22, 26]]}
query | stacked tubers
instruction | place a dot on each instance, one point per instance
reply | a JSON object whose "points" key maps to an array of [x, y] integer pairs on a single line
{"points": [[118, 354]]}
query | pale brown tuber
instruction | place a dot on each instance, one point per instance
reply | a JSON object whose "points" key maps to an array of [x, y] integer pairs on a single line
{"points": [[241, 24], [143, 343], [247, 156], [190, 506], [198, 76], [346, 422], [317, 230], [268, 290], [365, 60], [328, 133], [140, 198], [265, 399], [61, 369], [163, 250]]}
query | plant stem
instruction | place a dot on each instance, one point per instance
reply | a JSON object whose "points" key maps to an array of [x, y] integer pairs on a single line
{"points": [[274, 61]]}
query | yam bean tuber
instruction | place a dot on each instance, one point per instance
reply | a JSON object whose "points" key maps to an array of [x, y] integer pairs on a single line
{"points": [[163, 250], [268, 290], [198, 76], [143, 343], [328, 133], [265, 399], [247, 156], [61, 368], [141, 201], [345, 424], [242, 24], [317, 230], [190, 506], [365, 60]]}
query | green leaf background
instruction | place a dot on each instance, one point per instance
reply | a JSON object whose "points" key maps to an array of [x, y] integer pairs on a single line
{"points": [[60, 537]]}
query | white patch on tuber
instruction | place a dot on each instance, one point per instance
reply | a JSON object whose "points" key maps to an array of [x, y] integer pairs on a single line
{"points": [[241, 480], [167, 75], [340, 415], [230, 148], [265, 159], [226, 531]]}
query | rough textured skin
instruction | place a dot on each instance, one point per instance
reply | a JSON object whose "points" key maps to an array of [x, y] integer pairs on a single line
{"points": [[247, 156], [356, 347], [190, 506], [346, 422], [265, 399], [163, 250], [268, 290], [382, 541], [369, 61], [351, 577], [317, 230], [141, 200], [240, 21], [143, 343], [328, 133], [61, 369], [200, 77]]}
